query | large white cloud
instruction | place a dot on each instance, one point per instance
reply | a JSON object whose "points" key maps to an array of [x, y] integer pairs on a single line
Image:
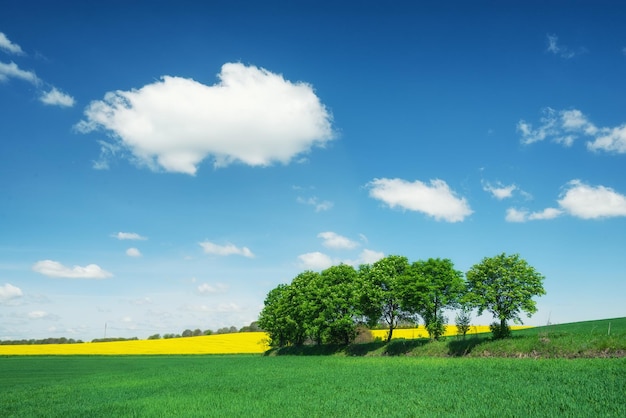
{"points": [[336, 241], [566, 126], [435, 199], [251, 115], [55, 269], [8, 292], [223, 250], [592, 202]]}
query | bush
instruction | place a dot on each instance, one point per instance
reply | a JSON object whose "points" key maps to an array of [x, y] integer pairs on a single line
{"points": [[500, 330]]}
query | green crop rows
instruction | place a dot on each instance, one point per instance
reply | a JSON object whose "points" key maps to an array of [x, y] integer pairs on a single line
{"points": [[231, 386]]}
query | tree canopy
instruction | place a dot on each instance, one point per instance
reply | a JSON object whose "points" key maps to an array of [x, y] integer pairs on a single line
{"points": [[505, 286]]}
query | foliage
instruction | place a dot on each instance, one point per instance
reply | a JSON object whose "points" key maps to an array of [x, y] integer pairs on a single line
{"points": [[504, 285], [499, 330], [300, 386], [380, 297], [463, 320]]}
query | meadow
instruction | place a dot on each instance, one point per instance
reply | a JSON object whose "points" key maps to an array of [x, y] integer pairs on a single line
{"points": [[304, 386]]}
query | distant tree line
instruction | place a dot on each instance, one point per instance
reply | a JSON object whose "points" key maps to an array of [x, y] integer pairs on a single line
{"points": [[327, 307], [253, 327], [61, 340]]}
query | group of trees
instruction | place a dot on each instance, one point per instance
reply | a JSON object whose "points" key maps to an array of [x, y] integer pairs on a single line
{"points": [[327, 307]]}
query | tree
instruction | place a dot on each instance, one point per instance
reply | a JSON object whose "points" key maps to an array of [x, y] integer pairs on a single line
{"points": [[430, 287], [463, 320], [504, 285], [187, 333], [380, 297]]}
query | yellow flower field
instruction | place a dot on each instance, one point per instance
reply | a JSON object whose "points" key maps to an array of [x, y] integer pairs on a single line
{"points": [[236, 343]]}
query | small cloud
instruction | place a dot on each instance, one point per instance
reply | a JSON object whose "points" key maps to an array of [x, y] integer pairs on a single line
{"points": [[315, 261], [207, 289], [108, 151], [129, 236], [320, 206], [37, 315], [336, 241], [589, 202], [55, 269], [251, 116], [500, 191], [368, 257], [55, 97], [9, 292], [7, 46], [11, 70], [566, 126], [560, 50], [224, 250], [133, 252], [435, 199]]}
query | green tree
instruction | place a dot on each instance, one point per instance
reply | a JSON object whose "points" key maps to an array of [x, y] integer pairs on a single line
{"points": [[463, 320], [430, 287], [380, 298], [504, 285], [335, 304]]}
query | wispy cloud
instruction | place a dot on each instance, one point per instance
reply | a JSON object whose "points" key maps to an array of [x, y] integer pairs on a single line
{"points": [[499, 191], [209, 289], [128, 236], [225, 250], [579, 200], [252, 116], [566, 126], [319, 205], [7, 46], [434, 199], [562, 51], [55, 269], [319, 261], [49, 95]]}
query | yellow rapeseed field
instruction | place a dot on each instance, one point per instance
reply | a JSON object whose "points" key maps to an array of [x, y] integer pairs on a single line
{"points": [[236, 343]]}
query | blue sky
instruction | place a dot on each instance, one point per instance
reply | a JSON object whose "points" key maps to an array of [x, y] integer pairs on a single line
{"points": [[163, 165]]}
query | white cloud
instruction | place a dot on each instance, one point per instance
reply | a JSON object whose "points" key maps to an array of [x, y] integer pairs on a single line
{"points": [[566, 126], [37, 315], [223, 250], [251, 116], [579, 200], [436, 199], [55, 97], [11, 70], [561, 50], [500, 191], [368, 257], [315, 261], [129, 236], [589, 202], [55, 269], [336, 241], [8, 292], [207, 289], [133, 252], [8, 46], [320, 206]]}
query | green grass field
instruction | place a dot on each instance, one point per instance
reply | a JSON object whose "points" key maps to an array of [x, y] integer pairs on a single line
{"points": [[572, 370], [300, 386]]}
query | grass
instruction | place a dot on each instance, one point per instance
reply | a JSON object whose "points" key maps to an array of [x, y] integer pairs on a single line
{"points": [[581, 339], [245, 385]]}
